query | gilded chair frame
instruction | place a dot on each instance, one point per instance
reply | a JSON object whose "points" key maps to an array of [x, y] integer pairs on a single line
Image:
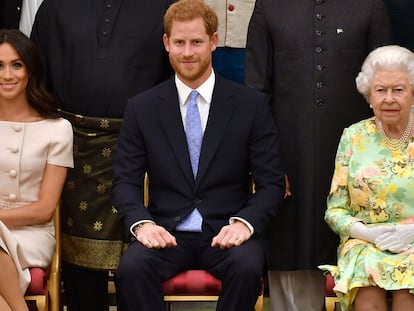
{"points": [[50, 301]]}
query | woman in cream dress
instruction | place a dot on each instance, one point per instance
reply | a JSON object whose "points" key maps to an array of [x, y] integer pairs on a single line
{"points": [[35, 151]]}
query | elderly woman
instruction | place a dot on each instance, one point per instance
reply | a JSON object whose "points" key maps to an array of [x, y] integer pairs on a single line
{"points": [[36, 150], [371, 201]]}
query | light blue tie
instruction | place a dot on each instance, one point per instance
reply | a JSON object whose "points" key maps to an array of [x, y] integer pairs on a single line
{"points": [[194, 134]]}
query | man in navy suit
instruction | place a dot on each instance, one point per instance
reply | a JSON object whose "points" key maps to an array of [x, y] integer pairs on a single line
{"points": [[239, 142]]}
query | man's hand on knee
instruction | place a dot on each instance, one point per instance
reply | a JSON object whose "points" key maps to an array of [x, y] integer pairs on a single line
{"points": [[232, 235], [154, 236]]}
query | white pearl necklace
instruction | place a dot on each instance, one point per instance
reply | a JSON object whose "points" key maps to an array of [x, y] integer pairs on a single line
{"points": [[395, 144]]}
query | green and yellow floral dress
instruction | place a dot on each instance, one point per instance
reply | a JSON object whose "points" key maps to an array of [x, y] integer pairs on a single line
{"points": [[375, 185]]}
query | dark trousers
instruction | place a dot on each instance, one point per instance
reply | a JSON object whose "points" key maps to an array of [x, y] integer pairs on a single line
{"points": [[229, 62], [85, 290], [141, 272]]}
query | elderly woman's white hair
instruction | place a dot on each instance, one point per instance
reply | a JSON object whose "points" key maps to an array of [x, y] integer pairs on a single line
{"points": [[385, 57]]}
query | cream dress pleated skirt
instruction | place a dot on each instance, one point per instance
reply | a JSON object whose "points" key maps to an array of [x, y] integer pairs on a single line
{"points": [[29, 246]]}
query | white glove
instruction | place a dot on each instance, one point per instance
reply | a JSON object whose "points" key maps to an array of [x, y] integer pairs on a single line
{"points": [[398, 240], [369, 234]]}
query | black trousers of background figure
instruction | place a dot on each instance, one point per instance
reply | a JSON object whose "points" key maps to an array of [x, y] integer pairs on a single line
{"points": [[85, 289], [141, 272]]}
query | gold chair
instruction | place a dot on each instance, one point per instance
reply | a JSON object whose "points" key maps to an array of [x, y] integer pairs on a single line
{"points": [[44, 289], [330, 297], [193, 285]]}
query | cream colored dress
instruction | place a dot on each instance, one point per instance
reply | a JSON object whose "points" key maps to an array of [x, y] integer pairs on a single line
{"points": [[25, 149]]}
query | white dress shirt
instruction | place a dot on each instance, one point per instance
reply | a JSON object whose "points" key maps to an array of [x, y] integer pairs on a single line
{"points": [[27, 15]]}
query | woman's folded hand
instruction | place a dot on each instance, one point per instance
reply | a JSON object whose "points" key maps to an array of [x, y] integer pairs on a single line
{"points": [[369, 234], [398, 240]]}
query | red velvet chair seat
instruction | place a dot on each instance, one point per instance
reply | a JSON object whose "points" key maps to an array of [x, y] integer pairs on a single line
{"points": [[331, 300], [192, 282], [38, 284], [196, 285], [329, 285], [43, 293]]}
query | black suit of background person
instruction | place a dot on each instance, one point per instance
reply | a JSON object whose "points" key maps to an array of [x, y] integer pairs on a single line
{"points": [[18, 14], [10, 13], [306, 55], [97, 54], [239, 142], [401, 13]]}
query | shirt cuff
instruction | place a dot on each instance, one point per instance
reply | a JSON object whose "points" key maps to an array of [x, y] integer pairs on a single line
{"points": [[131, 229], [232, 219]]}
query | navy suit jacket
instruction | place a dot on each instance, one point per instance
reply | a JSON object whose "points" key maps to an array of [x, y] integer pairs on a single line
{"points": [[240, 141]]}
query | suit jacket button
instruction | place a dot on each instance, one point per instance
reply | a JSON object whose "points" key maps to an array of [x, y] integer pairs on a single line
{"points": [[177, 218], [320, 102], [197, 201]]}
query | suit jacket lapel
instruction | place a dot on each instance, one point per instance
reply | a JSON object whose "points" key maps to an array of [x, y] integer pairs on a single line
{"points": [[170, 116], [221, 110]]}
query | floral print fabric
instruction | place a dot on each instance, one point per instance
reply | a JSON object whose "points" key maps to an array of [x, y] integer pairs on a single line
{"points": [[375, 185]]}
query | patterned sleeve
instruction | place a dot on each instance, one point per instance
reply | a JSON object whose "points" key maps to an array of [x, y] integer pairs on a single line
{"points": [[61, 147], [338, 214]]}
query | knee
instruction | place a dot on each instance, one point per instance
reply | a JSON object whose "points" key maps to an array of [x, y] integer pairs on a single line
{"points": [[370, 298], [402, 299], [133, 263], [250, 267]]}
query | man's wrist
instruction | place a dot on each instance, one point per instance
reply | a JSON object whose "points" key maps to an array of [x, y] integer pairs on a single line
{"points": [[248, 225], [135, 227]]}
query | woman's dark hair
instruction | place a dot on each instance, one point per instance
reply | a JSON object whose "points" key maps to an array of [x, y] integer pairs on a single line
{"points": [[39, 98]]}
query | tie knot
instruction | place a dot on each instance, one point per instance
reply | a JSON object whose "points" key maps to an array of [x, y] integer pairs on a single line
{"points": [[193, 95]]}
